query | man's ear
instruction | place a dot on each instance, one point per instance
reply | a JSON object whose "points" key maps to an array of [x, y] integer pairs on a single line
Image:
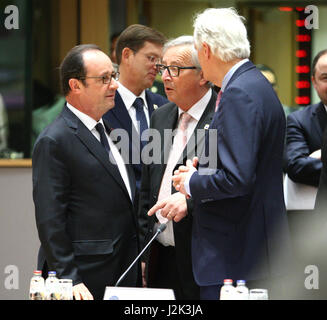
{"points": [[206, 50], [203, 81], [126, 54], [74, 85], [313, 81]]}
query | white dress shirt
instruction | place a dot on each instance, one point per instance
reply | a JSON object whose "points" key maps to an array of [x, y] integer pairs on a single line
{"points": [[90, 123], [128, 99], [166, 238]]}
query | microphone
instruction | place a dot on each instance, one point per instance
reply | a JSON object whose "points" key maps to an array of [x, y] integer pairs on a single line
{"points": [[160, 229]]}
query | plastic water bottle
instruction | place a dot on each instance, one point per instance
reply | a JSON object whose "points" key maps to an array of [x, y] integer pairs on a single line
{"points": [[52, 286], [37, 289], [241, 290], [227, 291]]}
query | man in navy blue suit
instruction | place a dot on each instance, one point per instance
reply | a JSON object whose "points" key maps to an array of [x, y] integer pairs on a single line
{"points": [[240, 227], [305, 131], [138, 50]]}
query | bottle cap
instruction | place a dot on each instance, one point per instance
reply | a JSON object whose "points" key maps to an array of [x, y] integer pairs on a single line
{"points": [[52, 273], [37, 272], [241, 282], [228, 281]]}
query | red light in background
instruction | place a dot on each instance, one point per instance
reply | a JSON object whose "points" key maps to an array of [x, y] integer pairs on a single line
{"points": [[301, 53], [303, 38], [287, 9], [299, 8], [300, 23], [302, 100], [302, 69], [302, 84]]}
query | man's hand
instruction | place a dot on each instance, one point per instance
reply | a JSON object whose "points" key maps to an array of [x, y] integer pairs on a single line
{"points": [[80, 292], [172, 208], [182, 174], [316, 154]]}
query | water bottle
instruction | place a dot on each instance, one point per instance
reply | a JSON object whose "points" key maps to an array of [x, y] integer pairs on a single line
{"points": [[227, 291], [241, 290], [37, 290], [52, 286]]}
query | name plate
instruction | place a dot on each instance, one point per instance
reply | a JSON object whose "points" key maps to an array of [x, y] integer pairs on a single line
{"points": [[131, 293]]}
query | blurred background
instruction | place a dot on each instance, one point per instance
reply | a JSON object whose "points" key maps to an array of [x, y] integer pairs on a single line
{"points": [[30, 55]]}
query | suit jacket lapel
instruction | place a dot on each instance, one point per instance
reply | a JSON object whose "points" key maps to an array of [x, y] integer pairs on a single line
{"points": [[121, 114], [93, 146], [149, 103], [203, 124], [128, 166], [166, 141]]}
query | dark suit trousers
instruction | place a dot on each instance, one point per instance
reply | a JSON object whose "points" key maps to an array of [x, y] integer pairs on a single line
{"points": [[163, 273]]}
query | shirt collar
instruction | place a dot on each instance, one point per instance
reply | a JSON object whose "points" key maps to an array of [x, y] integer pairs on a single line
{"points": [[89, 122], [230, 73], [129, 97], [197, 109]]}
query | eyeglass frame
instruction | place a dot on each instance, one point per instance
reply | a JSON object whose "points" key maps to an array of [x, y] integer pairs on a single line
{"points": [[158, 65], [105, 79], [152, 59]]}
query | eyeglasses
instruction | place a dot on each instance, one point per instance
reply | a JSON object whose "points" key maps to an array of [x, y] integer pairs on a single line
{"points": [[151, 59], [105, 79], [172, 70]]}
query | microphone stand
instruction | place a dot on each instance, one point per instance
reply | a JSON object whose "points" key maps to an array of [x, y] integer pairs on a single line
{"points": [[160, 229]]}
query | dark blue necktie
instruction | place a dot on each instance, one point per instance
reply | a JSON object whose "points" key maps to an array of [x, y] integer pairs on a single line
{"points": [[140, 115], [103, 138]]}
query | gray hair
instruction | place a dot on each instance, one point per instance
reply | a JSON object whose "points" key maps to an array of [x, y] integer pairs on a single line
{"points": [[185, 40], [224, 31]]}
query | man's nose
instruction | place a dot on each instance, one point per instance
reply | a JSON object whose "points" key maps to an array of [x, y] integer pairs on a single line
{"points": [[165, 74], [113, 84]]}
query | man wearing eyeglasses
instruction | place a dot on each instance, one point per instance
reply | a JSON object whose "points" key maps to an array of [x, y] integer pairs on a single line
{"points": [[82, 189], [138, 50], [191, 109]]}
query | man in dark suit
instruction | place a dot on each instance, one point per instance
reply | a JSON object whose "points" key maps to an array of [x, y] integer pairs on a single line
{"points": [[82, 190], [138, 50], [306, 150], [239, 221], [303, 165], [304, 134], [170, 264]]}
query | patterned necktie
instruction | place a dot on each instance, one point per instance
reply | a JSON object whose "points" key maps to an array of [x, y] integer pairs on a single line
{"points": [[140, 115], [218, 99], [103, 138]]}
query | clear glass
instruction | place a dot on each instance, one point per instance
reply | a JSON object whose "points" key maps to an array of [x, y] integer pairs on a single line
{"points": [[66, 289], [258, 294]]}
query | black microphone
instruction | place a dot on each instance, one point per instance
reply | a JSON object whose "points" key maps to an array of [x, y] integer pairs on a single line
{"points": [[160, 229]]}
